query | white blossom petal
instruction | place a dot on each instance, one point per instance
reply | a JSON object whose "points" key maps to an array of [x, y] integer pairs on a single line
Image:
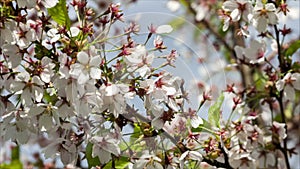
{"points": [[95, 61], [83, 58], [83, 77], [164, 29], [296, 82], [95, 73]]}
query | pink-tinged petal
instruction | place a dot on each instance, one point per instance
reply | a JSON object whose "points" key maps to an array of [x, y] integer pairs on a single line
{"points": [[143, 71], [239, 52], [229, 5], [37, 80], [104, 156], [45, 121], [112, 148], [173, 105], [196, 121], [261, 24], [76, 69], [273, 19], [83, 58], [235, 15], [296, 83], [157, 123], [38, 93], [169, 90], [259, 6], [270, 7], [95, 61], [46, 77], [45, 61], [201, 13], [194, 155], [132, 59], [34, 111], [289, 93], [95, 73], [111, 90], [164, 29], [49, 3], [83, 77], [173, 5], [184, 155], [226, 24], [74, 31], [123, 88], [287, 76], [279, 85]]}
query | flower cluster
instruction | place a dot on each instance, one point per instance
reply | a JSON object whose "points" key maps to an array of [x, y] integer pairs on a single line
{"points": [[64, 89]]}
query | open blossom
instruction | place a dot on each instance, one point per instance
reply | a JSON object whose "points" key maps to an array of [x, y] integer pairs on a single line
{"points": [[114, 98], [238, 8], [242, 161], [29, 88], [160, 29], [279, 130], [12, 54], [288, 84], [24, 36], [254, 53], [149, 161], [190, 155], [87, 68], [46, 69], [103, 147], [264, 14], [139, 61], [201, 9]]}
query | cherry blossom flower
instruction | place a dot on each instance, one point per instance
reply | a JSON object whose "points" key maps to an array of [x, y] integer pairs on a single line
{"points": [[279, 130], [139, 61], [265, 159], [160, 29], [87, 68], [113, 96], [288, 84], [29, 88], [148, 160], [24, 35], [254, 53], [13, 55], [189, 155], [201, 10], [173, 5], [242, 161], [103, 147], [238, 8], [46, 69], [264, 14]]}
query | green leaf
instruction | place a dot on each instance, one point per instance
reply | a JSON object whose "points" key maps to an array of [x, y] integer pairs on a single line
{"points": [[92, 162], [184, 3], [15, 153], [15, 164], [59, 14], [136, 133], [214, 112], [293, 48], [15, 160]]}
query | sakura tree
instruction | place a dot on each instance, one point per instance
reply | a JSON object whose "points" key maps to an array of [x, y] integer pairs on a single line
{"points": [[73, 81]]}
